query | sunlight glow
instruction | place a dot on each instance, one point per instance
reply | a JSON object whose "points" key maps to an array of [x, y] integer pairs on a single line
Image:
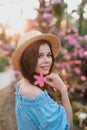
{"points": [[28, 8], [15, 12], [85, 10], [16, 26], [75, 15], [72, 5]]}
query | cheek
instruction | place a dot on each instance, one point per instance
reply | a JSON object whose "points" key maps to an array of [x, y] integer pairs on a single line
{"points": [[37, 66], [38, 63]]}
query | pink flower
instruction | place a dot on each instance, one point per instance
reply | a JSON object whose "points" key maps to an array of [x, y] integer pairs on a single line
{"points": [[81, 94], [47, 15], [72, 90], [67, 85], [60, 65], [75, 30], [47, 8], [83, 78], [77, 70], [58, 1], [5, 52], [85, 37], [41, 1], [78, 62], [40, 80], [73, 41], [80, 52]]}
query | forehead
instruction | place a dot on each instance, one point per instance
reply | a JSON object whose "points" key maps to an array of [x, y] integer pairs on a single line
{"points": [[44, 48]]}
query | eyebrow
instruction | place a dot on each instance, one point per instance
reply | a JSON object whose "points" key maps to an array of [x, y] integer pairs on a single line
{"points": [[42, 52]]}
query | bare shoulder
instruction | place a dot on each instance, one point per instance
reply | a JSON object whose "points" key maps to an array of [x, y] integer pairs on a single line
{"points": [[27, 89]]}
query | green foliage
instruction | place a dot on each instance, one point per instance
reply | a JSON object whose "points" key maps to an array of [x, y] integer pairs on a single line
{"points": [[84, 27], [76, 120], [58, 9], [3, 62], [58, 12]]}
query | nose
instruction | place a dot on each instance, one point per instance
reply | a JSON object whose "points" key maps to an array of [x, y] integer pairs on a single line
{"points": [[46, 59]]}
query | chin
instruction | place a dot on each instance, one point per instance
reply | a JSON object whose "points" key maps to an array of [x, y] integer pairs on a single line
{"points": [[45, 73]]}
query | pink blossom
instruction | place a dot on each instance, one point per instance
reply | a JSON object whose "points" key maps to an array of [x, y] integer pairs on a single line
{"points": [[47, 15], [68, 57], [68, 37], [57, 1], [64, 51], [68, 30], [60, 65], [85, 53], [83, 90], [7, 46], [5, 52], [78, 62], [83, 78], [61, 33], [67, 86], [75, 30], [40, 80], [68, 67], [10, 66], [41, 1], [80, 53], [48, 8], [63, 72], [72, 90], [85, 37], [81, 94], [73, 41], [77, 70], [78, 45]]}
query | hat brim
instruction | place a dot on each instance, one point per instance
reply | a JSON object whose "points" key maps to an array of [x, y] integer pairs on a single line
{"points": [[54, 41]]}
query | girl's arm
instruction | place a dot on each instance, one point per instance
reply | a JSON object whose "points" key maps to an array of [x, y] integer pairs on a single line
{"points": [[55, 81], [67, 106]]}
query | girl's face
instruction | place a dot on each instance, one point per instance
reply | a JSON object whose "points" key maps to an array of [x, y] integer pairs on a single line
{"points": [[44, 60]]}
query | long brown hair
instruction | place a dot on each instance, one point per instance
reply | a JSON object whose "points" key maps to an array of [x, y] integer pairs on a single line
{"points": [[28, 64]]}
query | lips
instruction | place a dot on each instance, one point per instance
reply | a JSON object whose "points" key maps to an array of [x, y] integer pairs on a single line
{"points": [[45, 67]]}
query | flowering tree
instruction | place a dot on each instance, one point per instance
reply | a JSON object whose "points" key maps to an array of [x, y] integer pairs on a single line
{"points": [[44, 17], [72, 61], [50, 14], [5, 50]]}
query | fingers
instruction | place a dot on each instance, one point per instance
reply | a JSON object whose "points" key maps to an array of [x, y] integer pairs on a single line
{"points": [[54, 80], [52, 75], [51, 79]]}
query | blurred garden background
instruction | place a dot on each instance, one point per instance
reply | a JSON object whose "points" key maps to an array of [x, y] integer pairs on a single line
{"points": [[65, 18]]}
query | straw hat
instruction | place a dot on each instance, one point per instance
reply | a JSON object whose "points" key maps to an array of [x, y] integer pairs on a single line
{"points": [[30, 37]]}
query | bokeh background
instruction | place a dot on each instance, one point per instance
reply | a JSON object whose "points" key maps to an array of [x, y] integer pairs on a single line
{"points": [[65, 18]]}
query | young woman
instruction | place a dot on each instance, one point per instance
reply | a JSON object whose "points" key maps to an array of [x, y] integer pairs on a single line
{"points": [[36, 106]]}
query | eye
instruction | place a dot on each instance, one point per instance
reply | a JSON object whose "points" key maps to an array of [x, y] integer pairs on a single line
{"points": [[49, 55], [39, 56]]}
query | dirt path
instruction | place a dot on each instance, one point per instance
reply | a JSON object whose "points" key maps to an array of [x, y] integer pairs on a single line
{"points": [[7, 114], [6, 78]]}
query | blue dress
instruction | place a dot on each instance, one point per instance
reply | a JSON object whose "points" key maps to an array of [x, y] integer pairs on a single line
{"points": [[39, 113]]}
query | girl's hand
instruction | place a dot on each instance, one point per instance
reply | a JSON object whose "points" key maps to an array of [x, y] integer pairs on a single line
{"points": [[54, 80]]}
